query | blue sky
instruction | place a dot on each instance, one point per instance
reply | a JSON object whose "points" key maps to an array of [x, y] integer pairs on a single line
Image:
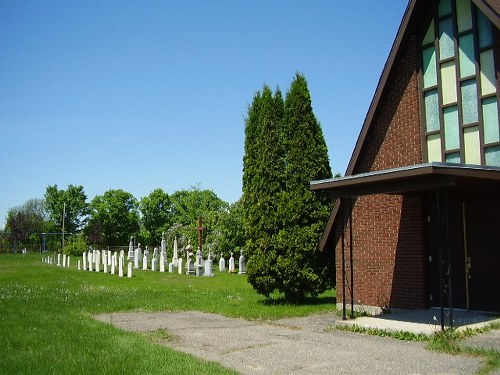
{"points": [[137, 95]]}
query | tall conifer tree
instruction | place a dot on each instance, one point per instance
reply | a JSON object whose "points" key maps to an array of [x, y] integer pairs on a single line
{"points": [[284, 151]]}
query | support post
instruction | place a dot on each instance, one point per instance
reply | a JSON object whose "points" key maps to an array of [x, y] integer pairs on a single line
{"points": [[343, 258], [351, 258]]}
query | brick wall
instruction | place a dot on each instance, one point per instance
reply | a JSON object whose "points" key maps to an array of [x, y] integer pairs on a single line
{"points": [[388, 230]]}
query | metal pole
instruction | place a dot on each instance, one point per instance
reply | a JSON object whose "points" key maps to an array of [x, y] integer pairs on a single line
{"points": [[448, 256], [343, 258], [466, 257], [440, 257], [350, 256], [64, 215]]}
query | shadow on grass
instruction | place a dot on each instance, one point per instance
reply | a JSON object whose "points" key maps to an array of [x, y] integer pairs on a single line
{"points": [[308, 301]]}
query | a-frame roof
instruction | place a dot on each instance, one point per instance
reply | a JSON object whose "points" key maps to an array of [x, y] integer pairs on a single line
{"points": [[415, 10]]}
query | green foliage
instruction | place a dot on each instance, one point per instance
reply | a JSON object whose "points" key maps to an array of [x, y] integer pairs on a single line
{"points": [[156, 210], [283, 219], [113, 219], [76, 245], [25, 222], [71, 202]]}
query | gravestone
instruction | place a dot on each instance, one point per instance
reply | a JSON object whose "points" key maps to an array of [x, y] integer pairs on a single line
{"points": [[98, 261], [242, 267], [89, 259], [179, 268], [64, 260], [131, 248], [129, 270], [78, 265], [199, 264], [163, 247], [171, 267], [209, 265], [175, 256], [231, 264], [222, 264], [58, 259], [105, 261], [138, 255], [67, 261], [162, 262], [120, 265], [153, 264], [145, 262], [190, 264], [109, 257], [113, 263]]}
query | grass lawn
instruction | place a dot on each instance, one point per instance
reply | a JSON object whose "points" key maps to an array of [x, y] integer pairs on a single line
{"points": [[46, 325]]}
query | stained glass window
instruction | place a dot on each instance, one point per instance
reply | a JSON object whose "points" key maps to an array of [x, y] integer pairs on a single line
{"points": [[484, 28], [466, 56], [492, 156], [488, 84], [469, 102], [451, 128], [434, 148], [490, 120], [444, 7], [449, 83], [464, 16], [453, 158], [459, 86], [429, 60], [446, 46], [472, 145], [432, 110]]}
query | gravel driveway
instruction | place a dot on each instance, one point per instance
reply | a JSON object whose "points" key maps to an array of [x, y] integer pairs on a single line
{"points": [[290, 346]]}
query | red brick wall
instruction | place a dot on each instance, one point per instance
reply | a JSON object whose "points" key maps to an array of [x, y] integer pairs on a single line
{"points": [[388, 230]]}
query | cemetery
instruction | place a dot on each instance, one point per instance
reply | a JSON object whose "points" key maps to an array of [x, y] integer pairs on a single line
{"points": [[121, 264]]}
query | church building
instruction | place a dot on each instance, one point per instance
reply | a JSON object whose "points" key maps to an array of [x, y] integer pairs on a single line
{"points": [[416, 219]]}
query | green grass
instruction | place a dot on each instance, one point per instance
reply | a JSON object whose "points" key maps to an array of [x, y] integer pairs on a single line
{"points": [[46, 325]]}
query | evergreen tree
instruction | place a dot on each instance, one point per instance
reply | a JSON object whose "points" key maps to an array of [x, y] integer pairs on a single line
{"points": [[262, 186], [284, 151]]}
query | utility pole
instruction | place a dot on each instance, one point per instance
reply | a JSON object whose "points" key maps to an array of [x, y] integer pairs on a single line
{"points": [[64, 215]]}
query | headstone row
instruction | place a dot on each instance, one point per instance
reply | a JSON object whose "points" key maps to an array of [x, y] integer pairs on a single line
{"points": [[63, 260]]}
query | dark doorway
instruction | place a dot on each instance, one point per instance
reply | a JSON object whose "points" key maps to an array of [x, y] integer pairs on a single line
{"points": [[474, 241]]}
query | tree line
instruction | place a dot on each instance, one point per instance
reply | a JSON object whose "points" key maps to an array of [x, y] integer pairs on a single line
{"points": [[112, 218]]}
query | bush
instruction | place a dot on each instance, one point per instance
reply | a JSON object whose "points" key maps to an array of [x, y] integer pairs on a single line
{"points": [[76, 245]]}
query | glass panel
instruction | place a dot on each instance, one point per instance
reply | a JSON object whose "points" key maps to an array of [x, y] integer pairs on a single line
{"points": [[472, 146], [484, 26], [446, 48], [492, 156], [444, 7], [490, 120], [451, 128], [469, 102], [449, 83], [432, 111], [487, 72], [430, 76], [464, 17], [453, 158], [434, 148], [466, 55], [429, 35]]}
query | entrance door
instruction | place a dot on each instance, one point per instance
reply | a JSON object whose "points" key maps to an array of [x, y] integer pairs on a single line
{"points": [[474, 241], [482, 218], [457, 256]]}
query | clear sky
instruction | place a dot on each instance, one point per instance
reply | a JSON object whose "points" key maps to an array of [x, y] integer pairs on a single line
{"points": [[137, 95]]}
